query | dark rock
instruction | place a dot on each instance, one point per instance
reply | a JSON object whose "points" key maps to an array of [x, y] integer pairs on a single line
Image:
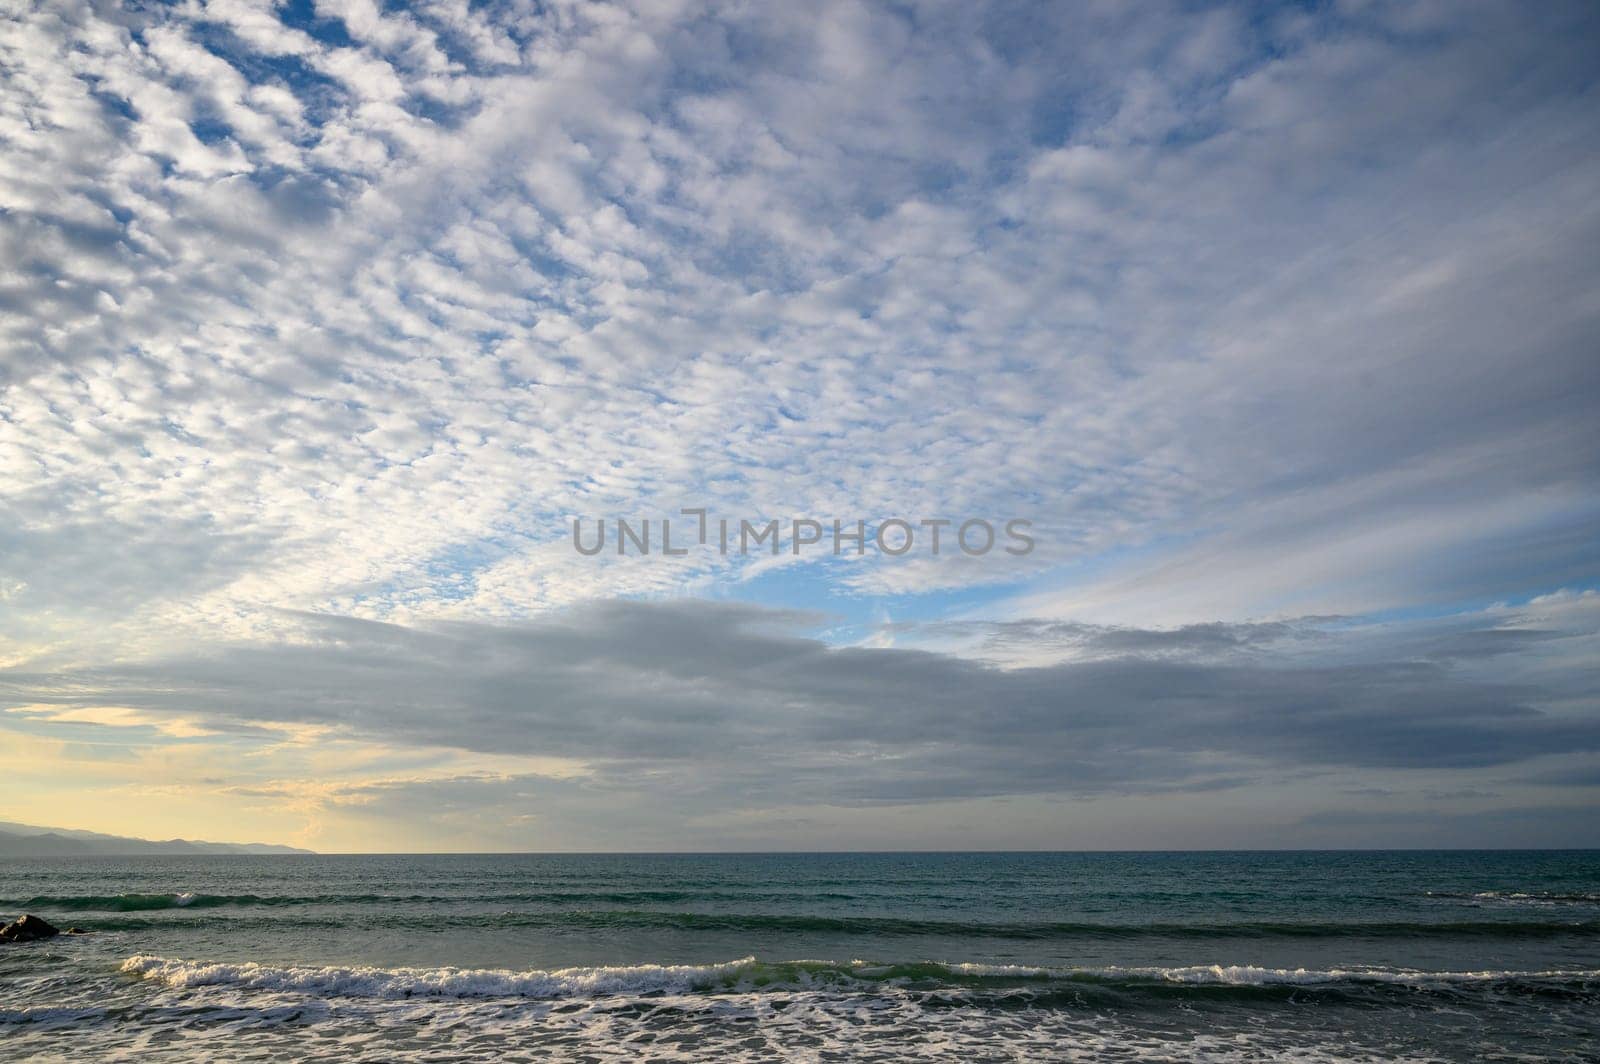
{"points": [[27, 929]]}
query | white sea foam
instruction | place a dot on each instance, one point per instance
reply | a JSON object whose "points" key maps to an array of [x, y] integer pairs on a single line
{"points": [[1250, 975], [747, 973], [742, 1027], [1520, 897], [437, 982], [740, 1011]]}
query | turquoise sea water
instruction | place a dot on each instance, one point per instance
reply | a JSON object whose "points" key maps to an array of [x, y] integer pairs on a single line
{"points": [[1139, 957]]}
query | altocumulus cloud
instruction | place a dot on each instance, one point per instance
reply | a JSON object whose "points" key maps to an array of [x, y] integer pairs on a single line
{"points": [[349, 307]]}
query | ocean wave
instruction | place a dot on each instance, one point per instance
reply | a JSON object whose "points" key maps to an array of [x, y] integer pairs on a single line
{"points": [[903, 927], [855, 926], [126, 903], [1251, 975], [749, 974], [439, 982], [52, 1016], [133, 902], [1514, 896]]}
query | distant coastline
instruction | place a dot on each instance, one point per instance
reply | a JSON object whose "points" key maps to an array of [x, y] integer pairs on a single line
{"points": [[24, 840]]}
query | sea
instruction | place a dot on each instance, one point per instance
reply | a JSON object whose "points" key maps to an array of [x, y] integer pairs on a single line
{"points": [[1306, 957]]}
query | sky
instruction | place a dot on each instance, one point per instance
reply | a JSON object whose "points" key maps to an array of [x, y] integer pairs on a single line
{"points": [[323, 321]]}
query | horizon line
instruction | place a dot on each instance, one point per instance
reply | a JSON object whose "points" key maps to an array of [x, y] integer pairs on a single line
{"points": [[303, 852]]}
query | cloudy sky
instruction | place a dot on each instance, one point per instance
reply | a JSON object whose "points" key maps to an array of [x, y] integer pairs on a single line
{"points": [[322, 320]]}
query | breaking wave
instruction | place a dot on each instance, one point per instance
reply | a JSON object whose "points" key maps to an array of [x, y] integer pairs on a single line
{"points": [[748, 973], [357, 912], [1545, 897]]}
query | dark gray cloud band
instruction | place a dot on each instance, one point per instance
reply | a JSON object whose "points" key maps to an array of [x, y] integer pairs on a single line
{"points": [[735, 700]]}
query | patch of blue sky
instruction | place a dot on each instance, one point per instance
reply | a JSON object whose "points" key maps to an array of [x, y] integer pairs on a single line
{"points": [[850, 615], [1560, 551], [1464, 608], [317, 92], [112, 102], [451, 575], [440, 112], [303, 15]]}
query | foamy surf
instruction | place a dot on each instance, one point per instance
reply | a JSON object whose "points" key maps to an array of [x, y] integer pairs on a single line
{"points": [[438, 982], [627, 1013], [747, 973], [1251, 975]]}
